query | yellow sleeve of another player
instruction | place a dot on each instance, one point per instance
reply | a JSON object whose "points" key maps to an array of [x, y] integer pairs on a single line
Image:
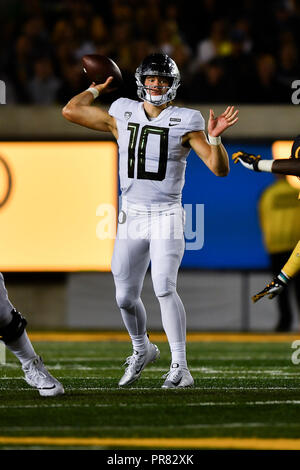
{"points": [[292, 266]]}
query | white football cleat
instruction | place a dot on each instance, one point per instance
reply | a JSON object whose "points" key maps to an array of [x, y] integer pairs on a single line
{"points": [[137, 363], [178, 377], [36, 375]]}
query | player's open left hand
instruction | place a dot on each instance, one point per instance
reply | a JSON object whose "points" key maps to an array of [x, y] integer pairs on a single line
{"points": [[217, 125]]}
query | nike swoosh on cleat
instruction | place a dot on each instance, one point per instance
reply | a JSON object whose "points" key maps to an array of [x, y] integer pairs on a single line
{"points": [[138, 370], [47, 388], [177, 383]]}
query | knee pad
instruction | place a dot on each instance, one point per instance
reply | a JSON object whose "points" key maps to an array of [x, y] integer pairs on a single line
{"points": [[163, 286], [126, 299], [14, 329]]}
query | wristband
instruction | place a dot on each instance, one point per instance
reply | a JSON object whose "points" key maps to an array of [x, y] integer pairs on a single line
{"points": [[214, 140], [265, 165], [94, 92], [283, 277]]}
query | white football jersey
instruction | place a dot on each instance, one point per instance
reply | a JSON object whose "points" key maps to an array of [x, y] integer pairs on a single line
{"points": [[152, 159]]}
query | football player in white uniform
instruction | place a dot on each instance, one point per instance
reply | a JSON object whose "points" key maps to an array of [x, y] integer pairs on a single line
{"points": [[13, 334], [154, 139]]}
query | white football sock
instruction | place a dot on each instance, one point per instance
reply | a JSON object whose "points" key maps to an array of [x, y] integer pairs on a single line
{"points": [[178, 352], [22, 349], [135, 319], [140, 342], [174, 323]]}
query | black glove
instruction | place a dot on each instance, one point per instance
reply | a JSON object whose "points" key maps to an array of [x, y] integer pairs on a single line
{"points": [[275, 287], [247, 160]]}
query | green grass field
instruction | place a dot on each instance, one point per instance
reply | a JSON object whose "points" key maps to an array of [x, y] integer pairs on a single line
{"points": [[242, 390]]}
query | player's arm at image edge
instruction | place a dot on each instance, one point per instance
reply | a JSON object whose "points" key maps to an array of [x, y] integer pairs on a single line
{"points": [[286, 166]]}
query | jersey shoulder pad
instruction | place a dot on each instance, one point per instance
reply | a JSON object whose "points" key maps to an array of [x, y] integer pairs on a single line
{"points": [[192, 118], [121, 107], [196, 121]]}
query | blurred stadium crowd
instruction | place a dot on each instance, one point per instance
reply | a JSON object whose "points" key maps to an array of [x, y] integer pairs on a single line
{"points": [[237, 52]]}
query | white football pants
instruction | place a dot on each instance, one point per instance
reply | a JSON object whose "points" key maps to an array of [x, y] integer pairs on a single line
{"points": [[20, 347], [5, 305], [145, 236]]}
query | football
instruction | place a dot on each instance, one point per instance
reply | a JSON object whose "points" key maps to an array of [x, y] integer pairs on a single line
{"points": [[99, 67]]}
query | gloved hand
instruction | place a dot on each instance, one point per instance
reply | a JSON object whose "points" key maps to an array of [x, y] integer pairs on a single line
{"points": [[247, 160], [275, 287]]}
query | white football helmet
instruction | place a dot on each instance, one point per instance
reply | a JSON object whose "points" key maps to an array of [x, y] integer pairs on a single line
{"points": [[161, 65]]}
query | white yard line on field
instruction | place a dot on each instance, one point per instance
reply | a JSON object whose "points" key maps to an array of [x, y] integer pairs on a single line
{"points": [[146, 405], [204, 370], [185, 390]]}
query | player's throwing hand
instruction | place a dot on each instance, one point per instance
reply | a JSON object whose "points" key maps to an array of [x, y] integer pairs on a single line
{"points": [[101, 87]]}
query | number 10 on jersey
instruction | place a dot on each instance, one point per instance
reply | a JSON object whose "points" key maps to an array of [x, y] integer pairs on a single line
{"points": [[163, 133]]}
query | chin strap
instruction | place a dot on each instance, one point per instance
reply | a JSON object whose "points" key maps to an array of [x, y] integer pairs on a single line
{"points": [[156, 100]]}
